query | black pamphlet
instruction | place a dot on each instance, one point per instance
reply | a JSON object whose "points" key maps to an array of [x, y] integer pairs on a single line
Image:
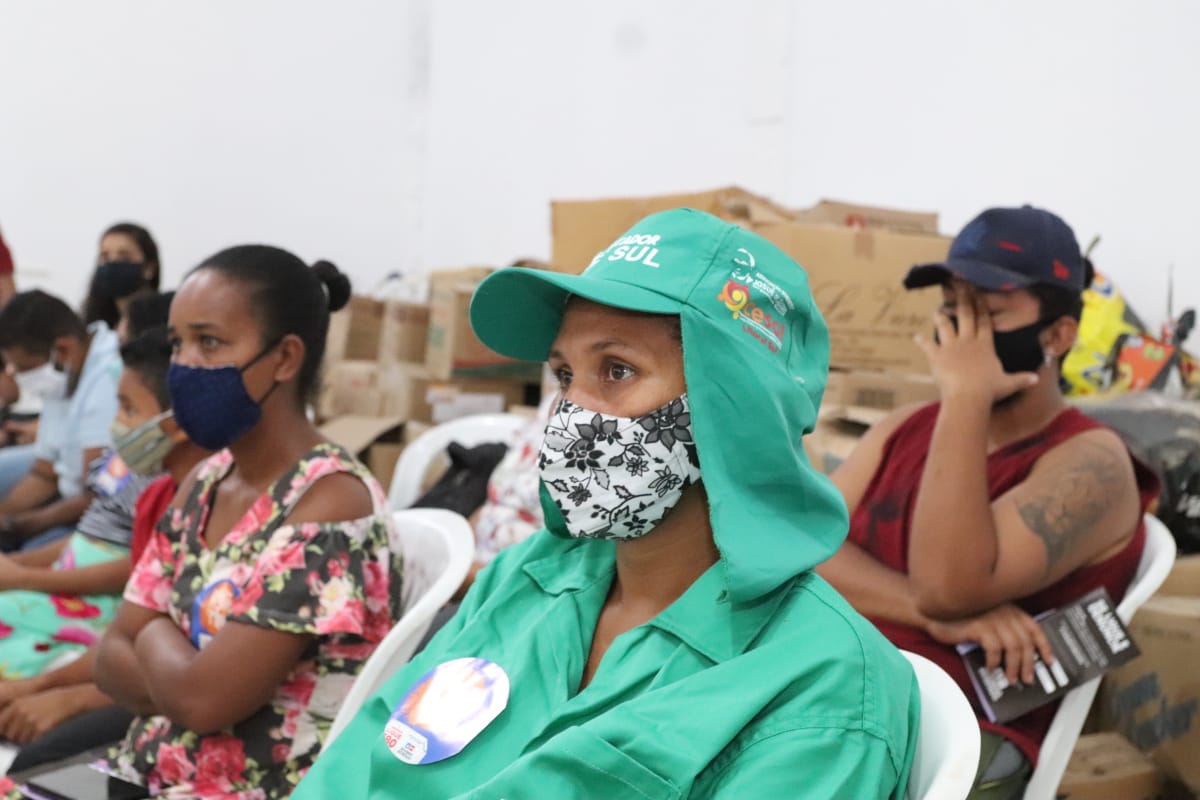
{"points": [[1088, 639]]}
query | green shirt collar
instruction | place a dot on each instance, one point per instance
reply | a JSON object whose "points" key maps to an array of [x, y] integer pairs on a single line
{"points": [[705, 617]]}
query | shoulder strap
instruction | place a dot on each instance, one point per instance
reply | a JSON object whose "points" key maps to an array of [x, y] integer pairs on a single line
{"points": [[211, 470]]}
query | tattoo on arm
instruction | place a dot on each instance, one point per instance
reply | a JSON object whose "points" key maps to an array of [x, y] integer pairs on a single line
{"points": [[1066, 512]]}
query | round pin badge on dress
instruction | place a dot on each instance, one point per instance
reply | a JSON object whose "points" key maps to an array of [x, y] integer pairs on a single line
{"points": [[446, 709]]}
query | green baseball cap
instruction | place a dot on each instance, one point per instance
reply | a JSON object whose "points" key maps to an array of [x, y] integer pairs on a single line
{"points": [[755, 361]]}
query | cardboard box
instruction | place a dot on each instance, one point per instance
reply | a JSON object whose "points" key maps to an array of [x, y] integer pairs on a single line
{"points": [[411, 393], [832, 441], [1155, 700], [1184, 578], [413, 429], [381, 460], [855, 272], [452, 349], [855, 277], [835, 212], [857, 392], [854, 401], [404, 333], [449, 401], [582, 228], [354, 331], [361, 435], [404, 388], [1105, 766], [349, 387]]}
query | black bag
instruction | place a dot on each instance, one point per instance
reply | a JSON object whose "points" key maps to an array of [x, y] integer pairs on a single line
{"points": [[463, 487], [1164, 433]]}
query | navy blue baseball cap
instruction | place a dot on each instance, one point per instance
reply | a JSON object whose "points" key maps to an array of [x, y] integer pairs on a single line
{"points": [[1004, 249]]}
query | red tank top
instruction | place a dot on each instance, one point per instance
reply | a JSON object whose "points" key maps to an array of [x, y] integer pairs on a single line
{"points": [[881, 523]]}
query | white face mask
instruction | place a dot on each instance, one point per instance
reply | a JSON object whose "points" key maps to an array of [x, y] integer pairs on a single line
{"points": [[41, 384], [617, 477]]}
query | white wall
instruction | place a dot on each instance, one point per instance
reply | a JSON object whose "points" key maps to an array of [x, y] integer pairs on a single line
{"points": [[421, 134], [213, 123]]}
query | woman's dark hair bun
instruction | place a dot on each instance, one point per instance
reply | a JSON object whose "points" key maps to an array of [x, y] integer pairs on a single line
{"points": [[337, 285]]}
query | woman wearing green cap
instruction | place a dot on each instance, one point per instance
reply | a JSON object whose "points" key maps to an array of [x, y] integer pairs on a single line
{"points": [[666, 635]]}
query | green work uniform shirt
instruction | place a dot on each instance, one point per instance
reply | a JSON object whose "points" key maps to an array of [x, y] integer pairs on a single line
{"points": [[790, 695]]}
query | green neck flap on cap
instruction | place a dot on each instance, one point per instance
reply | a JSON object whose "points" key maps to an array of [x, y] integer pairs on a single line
{"points": [[755, 359]]}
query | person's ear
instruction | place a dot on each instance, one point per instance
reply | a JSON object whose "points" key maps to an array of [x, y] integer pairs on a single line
{"points": [[1059, 338], [291, 358], [61, 351], [171, 428]]}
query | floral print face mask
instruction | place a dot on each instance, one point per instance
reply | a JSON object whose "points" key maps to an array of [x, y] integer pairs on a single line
{"points": [[617, 477]]}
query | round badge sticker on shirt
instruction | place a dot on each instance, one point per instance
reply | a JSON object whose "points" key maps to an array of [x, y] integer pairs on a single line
{"points": [[446, 709], [209, 610], [109, 475]]}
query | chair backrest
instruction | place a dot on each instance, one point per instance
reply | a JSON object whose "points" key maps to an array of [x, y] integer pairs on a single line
{"points": [[1158, 556], [948, 742], [437, 548], [469, 431]]}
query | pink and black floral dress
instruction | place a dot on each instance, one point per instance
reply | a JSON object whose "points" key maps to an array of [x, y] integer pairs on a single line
{"points": [[337, 582]]}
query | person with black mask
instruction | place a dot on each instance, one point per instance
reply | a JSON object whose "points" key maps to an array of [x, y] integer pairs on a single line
{"points": [[127, 264], [972, 515]]}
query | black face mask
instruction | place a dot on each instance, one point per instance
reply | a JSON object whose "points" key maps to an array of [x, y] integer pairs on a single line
{"points": [[1019, 350], [116, 279]]}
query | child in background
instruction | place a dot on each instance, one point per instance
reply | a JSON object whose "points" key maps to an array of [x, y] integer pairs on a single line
{"points": [[57, 599], [152, 444]]}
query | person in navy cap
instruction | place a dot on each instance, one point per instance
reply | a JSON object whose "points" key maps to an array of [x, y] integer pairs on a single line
{"points": [[972, 515]]}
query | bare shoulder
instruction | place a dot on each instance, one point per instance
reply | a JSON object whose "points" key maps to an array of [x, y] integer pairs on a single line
{"points": [[854, 475], [340, 497], [1099, 452], [872, 442], [1080, 497], [897, 417]]}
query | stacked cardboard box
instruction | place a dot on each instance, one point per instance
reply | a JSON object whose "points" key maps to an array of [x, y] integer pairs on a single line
{"points": [[453, 351], [855, 257], [1154, 700], [392, 365], [1105, 766], [854, 401]]}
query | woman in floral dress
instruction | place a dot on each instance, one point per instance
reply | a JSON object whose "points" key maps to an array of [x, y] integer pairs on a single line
{"points": [[274, 574]]}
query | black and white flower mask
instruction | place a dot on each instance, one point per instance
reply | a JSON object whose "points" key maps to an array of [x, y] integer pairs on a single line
{"points": [[617, 477]]}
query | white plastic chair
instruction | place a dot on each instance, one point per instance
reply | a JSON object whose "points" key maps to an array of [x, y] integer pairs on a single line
{"points": [[947, 754], [468, 431], [1158, 557], [437, 548]]}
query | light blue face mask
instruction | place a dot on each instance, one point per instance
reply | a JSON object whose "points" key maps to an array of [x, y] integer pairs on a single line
{"points": [[143, 448]]}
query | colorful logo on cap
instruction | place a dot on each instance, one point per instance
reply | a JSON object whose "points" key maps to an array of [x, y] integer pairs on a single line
{"points": [[762, 320]]}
